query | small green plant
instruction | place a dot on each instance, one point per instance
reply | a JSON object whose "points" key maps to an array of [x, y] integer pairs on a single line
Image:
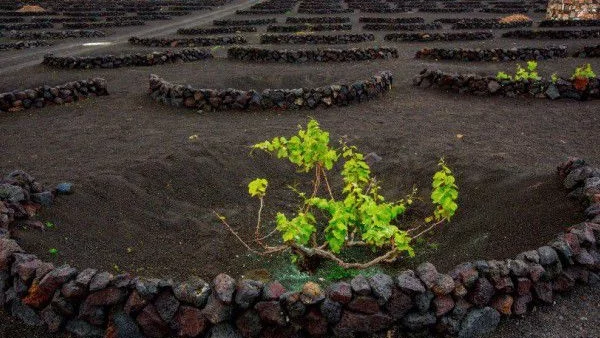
{"points": [[554, 78], [326, 223], [49, 225], [502, 76], [337, 272], [584, 72], [521, 74], [53, 251]]}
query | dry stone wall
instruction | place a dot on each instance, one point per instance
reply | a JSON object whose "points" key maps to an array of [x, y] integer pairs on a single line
{"points": [[318, 55], [497, 54], [189, 42]]}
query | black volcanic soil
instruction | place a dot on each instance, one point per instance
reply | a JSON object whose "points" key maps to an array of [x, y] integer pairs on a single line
{"points": [[145, 191]]}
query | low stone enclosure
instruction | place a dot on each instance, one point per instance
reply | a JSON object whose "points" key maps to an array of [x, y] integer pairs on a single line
{"points": [[318, 19], [317, 55], [190, 42], [424, 37], [127, 60], [569, 23], [55, 35], [249, 22], [489, 85], [588, 51], [496, 54], [401, 26], [553, 34], [24, 44], [278, 99], [391, 20], [315, 39], [46, 95], [216, 30], [308, 28], [468, 301]]}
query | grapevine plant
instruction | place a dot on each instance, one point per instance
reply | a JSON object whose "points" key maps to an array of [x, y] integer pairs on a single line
{"points": [[326, 223]]}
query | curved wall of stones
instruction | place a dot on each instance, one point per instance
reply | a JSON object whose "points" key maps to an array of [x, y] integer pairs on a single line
{"points": [[45, 95], [248, 22], [25, 26], [56, 35], [424, 37], [190, 42], [318, 19], [489, 85], [92, 25], [553, 34], [308, 28], [497, 54], [391, 20], [468, 301], [569, 23], [315, 39], [215, 30], [318, 55], [400, 26], [494, 24], [127, 60], [588, 51], [277, 99], [24, 44]]}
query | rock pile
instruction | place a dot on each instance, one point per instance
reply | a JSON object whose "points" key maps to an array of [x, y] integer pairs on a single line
{"points": [[308, 28], [277, 99], [553, 34], [468, 301], [56, 35], [585, 52], [127, 60], [489, 85], [249, 22], [215, 30], [424, 37], [496, 54], [45, 95], [401, 27], [317, 19], [337, 39], [569, 23], [318, 55], [24, 44], [190, 42]]}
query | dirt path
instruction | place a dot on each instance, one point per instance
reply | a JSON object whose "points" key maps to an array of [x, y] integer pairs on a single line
{"points": [[75, 47]]}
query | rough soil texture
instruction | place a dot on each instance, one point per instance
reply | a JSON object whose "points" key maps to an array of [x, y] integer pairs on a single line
{"points": [[145, 192]]}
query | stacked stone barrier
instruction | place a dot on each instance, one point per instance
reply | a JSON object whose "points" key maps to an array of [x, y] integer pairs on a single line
{"points": [[94, 25], [569, 23], [491, 86], [24, 44], [127, 60], [26, 26], [424, 37], [588, 51], [317, 20], [318, 55], [468, 301], [315, 39], [493, 24], [401, 27], [308, 28], [325, 10], [249, 22], [189, 42], [52, 95], [269, 99], [216, 30], [516, 10], [496, 54], [391, 20], [553, 34], [56, 35]]}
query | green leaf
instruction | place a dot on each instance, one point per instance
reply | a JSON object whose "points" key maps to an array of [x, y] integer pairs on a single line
{"points": [[258, 187]]}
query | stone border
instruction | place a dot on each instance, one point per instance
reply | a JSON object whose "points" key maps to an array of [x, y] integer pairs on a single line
{"points": [[26, 26], [427, 36], [473, 24], [588, 52], [317, 19], [496, 54], [489, 85], [469, 301], [249, 22], [401, 26], [55, 35], [304, 55], [336, 39], [94, 25], [46, 95], [553, 34], [189, 42], [126, 60], [276, 99], [391, 20], [216, 30], [24, 45], [308, 28], [569, 23]]}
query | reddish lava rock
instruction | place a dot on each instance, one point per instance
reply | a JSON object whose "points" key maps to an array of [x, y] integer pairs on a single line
{"points": [[151, 323], [503, 304], [190, 322]]}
